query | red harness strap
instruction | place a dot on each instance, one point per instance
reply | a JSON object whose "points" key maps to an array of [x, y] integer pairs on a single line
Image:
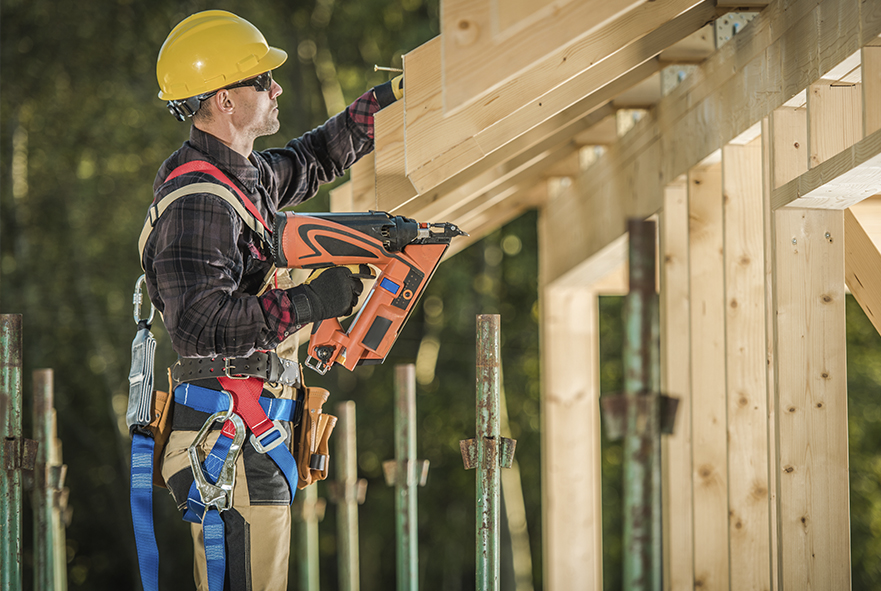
{"points": [[246, 403], [208, 168]]}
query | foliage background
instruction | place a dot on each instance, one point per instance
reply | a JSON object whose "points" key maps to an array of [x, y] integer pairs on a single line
{"points": [[81, 136]]}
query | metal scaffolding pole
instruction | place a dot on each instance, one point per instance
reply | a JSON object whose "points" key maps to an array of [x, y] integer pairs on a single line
{"points": [[12, 450], [308, 511], [405, 472], [349, 493], [50, 557], [488, 452]]}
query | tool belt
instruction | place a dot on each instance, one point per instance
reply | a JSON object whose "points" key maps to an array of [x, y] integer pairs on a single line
{"points": [[268, 366]]}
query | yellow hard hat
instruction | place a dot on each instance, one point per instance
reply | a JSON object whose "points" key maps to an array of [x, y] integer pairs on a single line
{"points": [[210, 50]]}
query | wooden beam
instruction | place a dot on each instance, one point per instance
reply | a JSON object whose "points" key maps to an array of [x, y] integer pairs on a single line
{"points": [[838, 183], [871, 77], [789, 142], [439, 145], [486, 42], [574, 119], [746, 367], [835, 118], [571, 503], [862, 268], [392, 185], [481, 223], [677, 451], [739, 85], [811, 463], [709, 432]]}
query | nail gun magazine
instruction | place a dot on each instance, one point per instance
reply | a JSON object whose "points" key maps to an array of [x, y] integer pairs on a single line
{"points": [[406, 254]]}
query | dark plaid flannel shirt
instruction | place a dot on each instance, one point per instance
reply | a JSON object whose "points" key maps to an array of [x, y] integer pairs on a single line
{"points": [[204, 265]]}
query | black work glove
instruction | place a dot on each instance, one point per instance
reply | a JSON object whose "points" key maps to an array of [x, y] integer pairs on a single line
{"points": [[332, 292]]}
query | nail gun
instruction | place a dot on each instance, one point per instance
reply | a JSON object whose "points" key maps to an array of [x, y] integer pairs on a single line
{"points": [[405, 252]]}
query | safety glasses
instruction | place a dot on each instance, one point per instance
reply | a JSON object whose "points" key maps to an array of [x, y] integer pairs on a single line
{"points": [[262, 83]]}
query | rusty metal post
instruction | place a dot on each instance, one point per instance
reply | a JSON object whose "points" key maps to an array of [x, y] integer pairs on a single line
{"points": [[348, 493], [50, 560], [488, 434], [10, 477], [642, 438]]}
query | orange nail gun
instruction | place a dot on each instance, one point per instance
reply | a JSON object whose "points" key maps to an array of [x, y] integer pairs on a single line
{"points": [[405, 251]]}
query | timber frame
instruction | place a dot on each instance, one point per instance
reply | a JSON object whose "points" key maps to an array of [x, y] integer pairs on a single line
{"points": [[760, 155]]}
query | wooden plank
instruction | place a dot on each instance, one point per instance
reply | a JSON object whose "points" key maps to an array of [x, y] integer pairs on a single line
{"points": [[838, 183], [341, 197], [871, 77], [503, 175], [745, 340], [436, 142], [486, 221], [678, 516], [707, 315], [835, 118], [581, 116], [790, 143], [393, 188], [769, 229], [862, 268], [572, 506], [479, 53], [811, 415], [363, 181]]}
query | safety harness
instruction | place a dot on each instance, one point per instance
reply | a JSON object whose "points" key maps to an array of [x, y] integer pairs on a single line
{"points": [[238, 405]]}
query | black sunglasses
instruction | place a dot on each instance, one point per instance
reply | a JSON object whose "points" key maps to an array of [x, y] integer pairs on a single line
{"points": [[262, 83]]}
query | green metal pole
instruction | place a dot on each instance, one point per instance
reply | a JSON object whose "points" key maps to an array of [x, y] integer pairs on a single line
{"points": [[11, 451], [347, 506], [406, 521], [311, 512], [488, 441], [44, 493], [642, 503]]}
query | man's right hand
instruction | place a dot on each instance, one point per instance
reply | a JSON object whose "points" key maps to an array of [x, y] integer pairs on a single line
{"points": [[333, 292]]}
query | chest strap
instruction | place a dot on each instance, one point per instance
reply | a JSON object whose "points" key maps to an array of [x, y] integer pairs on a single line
{"points": [[236, 198]]}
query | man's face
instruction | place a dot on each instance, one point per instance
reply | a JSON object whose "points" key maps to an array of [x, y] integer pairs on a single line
{"points": [[258, 115]]}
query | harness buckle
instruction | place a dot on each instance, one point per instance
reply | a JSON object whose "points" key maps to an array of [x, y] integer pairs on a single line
{"points": [[226, 369], [219, 494], [276, 428]]}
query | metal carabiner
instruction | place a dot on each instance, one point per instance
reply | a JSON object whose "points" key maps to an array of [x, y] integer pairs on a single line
{"points": [[219, 494], [137, 298]]}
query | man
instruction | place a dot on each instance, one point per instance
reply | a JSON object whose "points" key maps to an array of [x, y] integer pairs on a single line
{"points": [[206, 261]]}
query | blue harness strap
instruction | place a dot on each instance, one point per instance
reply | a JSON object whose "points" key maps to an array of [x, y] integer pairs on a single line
{"points": [[142, 510], [208, 401], [212, 401]]}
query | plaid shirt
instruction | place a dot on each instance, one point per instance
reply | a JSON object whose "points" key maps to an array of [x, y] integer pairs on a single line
{"points": [[204, 265]]}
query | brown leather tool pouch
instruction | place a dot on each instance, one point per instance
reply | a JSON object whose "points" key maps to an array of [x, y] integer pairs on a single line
{"points": [[160, 427], [311, 448]]}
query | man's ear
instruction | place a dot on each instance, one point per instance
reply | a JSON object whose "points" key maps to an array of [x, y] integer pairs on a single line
{"points": [[223, 102]]}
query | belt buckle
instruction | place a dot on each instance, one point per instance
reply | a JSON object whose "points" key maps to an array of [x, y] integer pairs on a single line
{"points": [[227, 368]]}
